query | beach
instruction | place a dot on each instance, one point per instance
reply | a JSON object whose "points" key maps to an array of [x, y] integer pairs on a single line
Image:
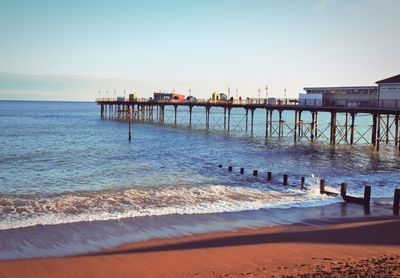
{"points": [[323, 248]]}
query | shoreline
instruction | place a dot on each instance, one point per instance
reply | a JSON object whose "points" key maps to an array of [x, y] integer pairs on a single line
{"points": [[318, 245]]}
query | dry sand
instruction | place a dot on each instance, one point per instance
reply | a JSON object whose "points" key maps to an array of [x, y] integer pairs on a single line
{"points": [[356, 248]]}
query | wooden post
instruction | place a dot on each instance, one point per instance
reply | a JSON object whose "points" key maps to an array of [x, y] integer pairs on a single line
{"points": [[396, 201], [367, 195], [316, 125], [343, 189], [230, 168], [303, 180], [220, 166], [280, 123], [285, 179], [322, 186], [269, 176], [241, 170], [255, 173]]}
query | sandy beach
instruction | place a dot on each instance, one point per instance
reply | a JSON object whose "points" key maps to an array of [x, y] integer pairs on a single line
{"points": [[336, 248]]}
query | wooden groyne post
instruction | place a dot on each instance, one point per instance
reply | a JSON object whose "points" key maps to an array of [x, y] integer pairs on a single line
{"points": [[396, 201], [303, 180], [357, 200], [269, 176], [323, 191], [322, 186], [285, 179], [343, 189]]}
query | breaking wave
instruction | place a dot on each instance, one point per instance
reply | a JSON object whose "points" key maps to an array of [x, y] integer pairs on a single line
{"points": [[45, 209]]}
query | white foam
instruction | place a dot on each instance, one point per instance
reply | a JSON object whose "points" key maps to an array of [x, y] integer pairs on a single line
{"points": [[26, 210]]}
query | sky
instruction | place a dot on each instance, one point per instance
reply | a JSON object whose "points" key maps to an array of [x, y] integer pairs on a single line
{"points": [[72, 49]]}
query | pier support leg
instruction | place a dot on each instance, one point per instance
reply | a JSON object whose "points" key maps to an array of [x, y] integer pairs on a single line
{"points": [[346, 127], [280, 123], [229, 119], [224, 118], [208, 117], [353, 115], [266, 123], [373, 131], [316, 125], [378, 131], [175, 113], [295, 126], [312, 131], [300, 126], [396, 131], [387, 128], [252, 121], [333, 128], [247, 118], [270, 122], [190, 116]]}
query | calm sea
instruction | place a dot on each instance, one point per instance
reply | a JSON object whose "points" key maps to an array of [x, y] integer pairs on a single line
{"points": [[71, 182]]}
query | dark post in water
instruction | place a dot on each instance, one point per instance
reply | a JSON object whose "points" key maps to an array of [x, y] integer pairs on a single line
{"points": [[255, 172], [230, 168], [285, 179], [343, 189], [241, 170], [303, 180], [367, 195], [396, 201], [322, 186], [269, 176]]}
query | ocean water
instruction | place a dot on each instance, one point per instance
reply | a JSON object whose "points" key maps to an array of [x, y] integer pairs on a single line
{"points": [[71, 182]]}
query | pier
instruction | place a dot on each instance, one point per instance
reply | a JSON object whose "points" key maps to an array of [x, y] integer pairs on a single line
{"points": [[383, 127]]}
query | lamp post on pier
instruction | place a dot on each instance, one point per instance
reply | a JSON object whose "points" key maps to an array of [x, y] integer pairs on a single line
{"points": [[284, 96]]}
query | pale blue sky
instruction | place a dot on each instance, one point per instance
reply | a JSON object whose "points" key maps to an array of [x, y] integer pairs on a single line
{"points": [[205, 45]]}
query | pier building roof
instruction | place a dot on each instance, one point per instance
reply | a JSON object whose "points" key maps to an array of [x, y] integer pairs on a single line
{"points": [[390, 80]]}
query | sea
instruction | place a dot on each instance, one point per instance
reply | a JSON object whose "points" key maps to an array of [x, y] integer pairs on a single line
{"points": [[72, 183]]}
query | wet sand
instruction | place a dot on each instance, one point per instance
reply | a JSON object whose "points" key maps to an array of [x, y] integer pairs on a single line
{"points": [[329, 248]]}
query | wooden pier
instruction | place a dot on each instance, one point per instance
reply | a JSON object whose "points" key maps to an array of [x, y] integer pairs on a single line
{"points": [[384, 127]]}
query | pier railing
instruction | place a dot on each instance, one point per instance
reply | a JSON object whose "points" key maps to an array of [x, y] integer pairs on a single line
{"points": [[245, 101]]}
